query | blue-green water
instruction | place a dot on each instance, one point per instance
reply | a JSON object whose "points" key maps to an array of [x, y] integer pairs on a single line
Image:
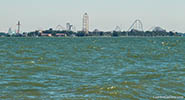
{"points": [[127, 68]]}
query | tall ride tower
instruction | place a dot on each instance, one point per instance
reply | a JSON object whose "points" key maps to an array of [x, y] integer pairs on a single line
{"points": [[19, 26], [85, 23]]}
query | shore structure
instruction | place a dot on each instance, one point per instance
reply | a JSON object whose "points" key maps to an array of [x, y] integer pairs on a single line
{"points": [[136, 29], [85, 23]]}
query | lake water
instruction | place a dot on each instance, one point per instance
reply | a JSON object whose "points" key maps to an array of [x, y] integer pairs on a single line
{"points": [[98, 68]]}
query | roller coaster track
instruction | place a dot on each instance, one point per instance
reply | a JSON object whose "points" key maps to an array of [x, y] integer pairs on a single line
{"points": [[60, 28], [137, 25]]}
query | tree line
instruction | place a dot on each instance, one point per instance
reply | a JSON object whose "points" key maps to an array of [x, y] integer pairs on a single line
{"points": [[95, 33]]}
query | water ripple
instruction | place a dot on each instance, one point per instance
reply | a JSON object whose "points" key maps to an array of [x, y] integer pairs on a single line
{"points": [[91, 68]]}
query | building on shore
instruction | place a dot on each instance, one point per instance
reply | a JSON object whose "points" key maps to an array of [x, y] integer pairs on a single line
{"points": [[85, 23], [46, 35], [61, 35], [10, 31]]}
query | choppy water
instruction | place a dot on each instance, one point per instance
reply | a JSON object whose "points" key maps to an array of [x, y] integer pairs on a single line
{"points": [[91, 68]]}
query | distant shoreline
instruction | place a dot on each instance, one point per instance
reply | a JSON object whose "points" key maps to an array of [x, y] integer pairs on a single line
{"points": [[104, 37], [58, 33]]}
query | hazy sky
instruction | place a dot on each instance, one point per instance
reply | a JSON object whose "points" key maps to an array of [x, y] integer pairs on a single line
{"points": [[104, 14]]}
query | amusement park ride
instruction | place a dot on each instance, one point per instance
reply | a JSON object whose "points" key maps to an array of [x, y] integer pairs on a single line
{"points": [[136, 26]]}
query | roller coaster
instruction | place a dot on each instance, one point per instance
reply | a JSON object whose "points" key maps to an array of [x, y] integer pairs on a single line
{"points": [[59, 28], [117, 29], [137, 26]]}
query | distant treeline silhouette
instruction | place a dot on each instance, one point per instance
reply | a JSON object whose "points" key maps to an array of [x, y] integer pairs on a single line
{"points": [[94, 33]]}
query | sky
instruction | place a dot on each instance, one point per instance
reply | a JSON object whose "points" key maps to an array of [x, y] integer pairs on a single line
{"points": [[104, 14]]}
